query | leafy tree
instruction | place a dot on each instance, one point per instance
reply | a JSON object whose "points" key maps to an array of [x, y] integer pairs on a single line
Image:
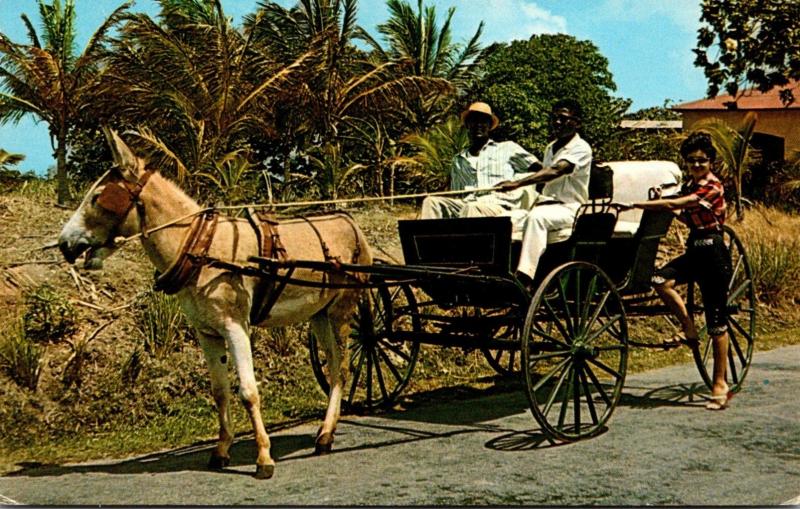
{"points": [[435, 150], [46, 78], [416, 36], [755, 41], [646, 144], [522, 80], [346, 92], [197, 90]]}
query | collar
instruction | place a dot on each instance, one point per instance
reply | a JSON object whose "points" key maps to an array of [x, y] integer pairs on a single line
{"points": [[465, 153]]}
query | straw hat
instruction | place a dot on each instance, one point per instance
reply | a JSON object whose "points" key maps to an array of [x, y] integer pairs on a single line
{"points": [[479, 107]]}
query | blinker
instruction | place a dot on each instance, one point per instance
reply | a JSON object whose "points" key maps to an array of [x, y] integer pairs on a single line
{"points": [[115, 199]]}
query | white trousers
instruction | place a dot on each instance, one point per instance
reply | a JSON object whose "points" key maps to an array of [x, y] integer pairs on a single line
{"points": [[540, 220], [443, 207]]}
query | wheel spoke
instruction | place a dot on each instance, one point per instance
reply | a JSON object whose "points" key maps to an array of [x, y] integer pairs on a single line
{"points": [[565, 400], [556, 320], [549, 355], [589, 399], [562, 293], [540, 332], [398, 350], [596, 334], [379, 374], [356, 377], [732, 365], [590, 290], [735, 342], [390, 365], [609, 370], [549, 374], [739, 264], [576, 397], [734, 296], [369, 379], [597, 310], [554, 392], [599, 386]]}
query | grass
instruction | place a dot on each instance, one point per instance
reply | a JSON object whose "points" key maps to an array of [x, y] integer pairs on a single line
{"points": [[20, 356], [131, 401]]}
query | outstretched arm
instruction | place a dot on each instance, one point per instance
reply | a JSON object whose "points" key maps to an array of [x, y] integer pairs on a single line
{"points": [[541, 174]]}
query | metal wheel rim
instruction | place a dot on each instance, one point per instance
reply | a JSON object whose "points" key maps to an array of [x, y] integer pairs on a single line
{"points": [[586, 351]]}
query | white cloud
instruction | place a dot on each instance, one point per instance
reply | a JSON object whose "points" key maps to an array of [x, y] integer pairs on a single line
{"points": [[507, 20], [684, 13]]}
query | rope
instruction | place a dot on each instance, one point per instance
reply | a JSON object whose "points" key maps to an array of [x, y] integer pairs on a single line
{"points": [[122, 240]]}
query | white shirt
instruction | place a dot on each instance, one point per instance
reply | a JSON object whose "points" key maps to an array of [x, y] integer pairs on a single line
{"points": [[574, 186]]}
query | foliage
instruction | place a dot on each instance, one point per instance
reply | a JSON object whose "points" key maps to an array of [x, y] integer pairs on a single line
{"points": [[7, 160], [197, 89], [416, 36], [435, 150], [161, 324], [20, 357], [47, 79], [756, 42], [733, 150], [522, 80], [48, 315]]}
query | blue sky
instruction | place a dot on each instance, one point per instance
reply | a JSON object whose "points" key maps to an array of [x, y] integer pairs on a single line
{"points": [[648, 43]]}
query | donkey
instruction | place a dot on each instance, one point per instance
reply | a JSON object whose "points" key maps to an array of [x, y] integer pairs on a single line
{"points": [[131, 199]]}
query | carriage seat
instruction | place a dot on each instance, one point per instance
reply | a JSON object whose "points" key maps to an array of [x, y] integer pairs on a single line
{"points": [[632, 181]]}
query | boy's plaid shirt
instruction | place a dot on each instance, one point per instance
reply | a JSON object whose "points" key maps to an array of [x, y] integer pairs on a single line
{"points": [[708, 214]]}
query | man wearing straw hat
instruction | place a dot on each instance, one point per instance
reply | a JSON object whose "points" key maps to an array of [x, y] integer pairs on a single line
{"points": [[484, 164]]}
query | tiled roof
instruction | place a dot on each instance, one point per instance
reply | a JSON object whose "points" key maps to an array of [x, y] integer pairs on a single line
{"points": [[752, 99], [651, 124]]}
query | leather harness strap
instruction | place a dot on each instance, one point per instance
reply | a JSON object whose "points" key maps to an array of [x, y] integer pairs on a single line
{"points": [[196, 246], [269, 246]]}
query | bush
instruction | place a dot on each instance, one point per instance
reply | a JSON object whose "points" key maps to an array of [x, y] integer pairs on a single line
{"points": [[20, 357], [161, 322], [49, 316]]}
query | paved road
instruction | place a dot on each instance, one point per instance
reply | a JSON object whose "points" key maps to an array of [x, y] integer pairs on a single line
{"points": [[662, 448]]}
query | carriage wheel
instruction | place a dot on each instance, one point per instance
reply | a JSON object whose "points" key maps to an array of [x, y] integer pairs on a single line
{"points": [[380, 367], [505, 362], [574, 351], [741, 319]]}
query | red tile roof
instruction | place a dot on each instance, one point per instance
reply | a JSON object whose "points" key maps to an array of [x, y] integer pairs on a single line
{"points": [[752, 99]]}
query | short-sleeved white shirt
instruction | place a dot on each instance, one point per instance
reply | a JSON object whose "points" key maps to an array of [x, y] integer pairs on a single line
{"points": [[574, 186]]}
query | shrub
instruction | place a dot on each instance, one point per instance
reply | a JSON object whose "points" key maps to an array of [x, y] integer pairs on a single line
{"points": [[20, 357], [49, 316], [161, 323]]}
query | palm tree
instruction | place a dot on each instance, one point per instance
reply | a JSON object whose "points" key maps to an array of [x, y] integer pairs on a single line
{"points": [[8, 159], [47, 79], [416, 36], [196, 89], [436, 149], [733, 148], [348, 89]]}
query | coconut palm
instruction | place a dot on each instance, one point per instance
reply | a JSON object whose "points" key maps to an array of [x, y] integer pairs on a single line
{"points": [[48, 79], [417, 36], [9, 159], [196, 89], [349, 90], [435, 151], [733, 150]]}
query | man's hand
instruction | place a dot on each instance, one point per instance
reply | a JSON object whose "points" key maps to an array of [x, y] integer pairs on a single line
{"points": [[507, 185]]}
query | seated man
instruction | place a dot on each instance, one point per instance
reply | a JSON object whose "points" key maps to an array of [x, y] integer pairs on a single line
{"points": [[484, 164], [565, 175]]}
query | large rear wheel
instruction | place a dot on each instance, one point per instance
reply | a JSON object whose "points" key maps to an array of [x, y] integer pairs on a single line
{"points": [[574, 351]]}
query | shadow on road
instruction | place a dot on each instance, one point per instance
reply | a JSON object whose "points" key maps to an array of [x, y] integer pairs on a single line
{"points": [[467, 409]]}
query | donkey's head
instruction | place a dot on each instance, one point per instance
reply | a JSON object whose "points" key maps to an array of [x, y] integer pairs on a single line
{"points": [[107, 210]]}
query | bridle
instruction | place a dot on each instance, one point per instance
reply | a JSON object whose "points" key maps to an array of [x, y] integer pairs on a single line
{"points": [[120, 196]]}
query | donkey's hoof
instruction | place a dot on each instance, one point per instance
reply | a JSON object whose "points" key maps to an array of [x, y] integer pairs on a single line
{"points": [[324, 444], [218, 462], [264, 471]]}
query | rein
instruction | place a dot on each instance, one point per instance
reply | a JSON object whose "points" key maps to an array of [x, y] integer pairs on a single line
{"points": [[145, 233]]}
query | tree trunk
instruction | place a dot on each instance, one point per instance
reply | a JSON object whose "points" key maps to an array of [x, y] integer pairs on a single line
{"points": [[62, 182]]}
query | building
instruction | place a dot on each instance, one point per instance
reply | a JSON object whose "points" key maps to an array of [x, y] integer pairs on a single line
{"points": [[777, 130]]}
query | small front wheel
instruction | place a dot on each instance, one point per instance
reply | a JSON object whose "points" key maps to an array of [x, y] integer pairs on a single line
{"points": [[574, 351], [380, 366]]}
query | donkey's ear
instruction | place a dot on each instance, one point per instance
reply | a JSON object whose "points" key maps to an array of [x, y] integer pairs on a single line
{"points": [[128, 164]]}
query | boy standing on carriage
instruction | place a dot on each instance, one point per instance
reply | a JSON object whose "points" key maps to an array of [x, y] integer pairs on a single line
{"points": [[701, 206], [482, 165]]}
